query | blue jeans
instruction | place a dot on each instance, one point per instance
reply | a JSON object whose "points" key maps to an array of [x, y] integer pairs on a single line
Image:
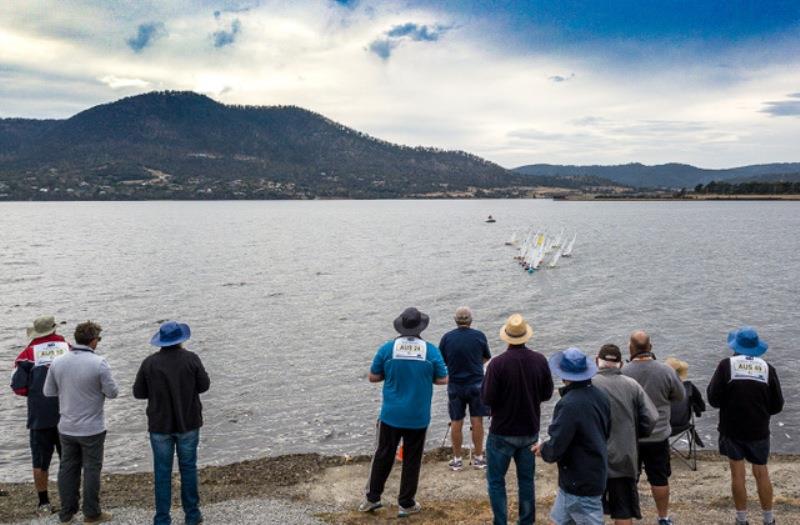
{"points": [[569, 509], [164, 448], [499, 451]]}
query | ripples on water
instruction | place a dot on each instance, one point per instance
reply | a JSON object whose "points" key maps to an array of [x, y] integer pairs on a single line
{"points": [[288, 301]]}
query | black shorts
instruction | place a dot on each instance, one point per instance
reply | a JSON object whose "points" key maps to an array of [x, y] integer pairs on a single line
{"points": [[462, 396], [655, 458], [43, 443], [621, 499], [755, 452]]}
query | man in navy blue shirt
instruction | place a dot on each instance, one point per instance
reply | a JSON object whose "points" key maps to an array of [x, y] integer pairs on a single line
{"points": [[465, 351]]}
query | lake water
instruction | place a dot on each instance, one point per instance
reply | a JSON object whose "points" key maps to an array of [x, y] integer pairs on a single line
{"points": [[288, 301]]}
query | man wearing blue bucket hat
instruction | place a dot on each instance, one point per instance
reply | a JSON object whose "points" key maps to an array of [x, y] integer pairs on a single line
{"points": [[172, 380], [746, 390], [579, 430]]}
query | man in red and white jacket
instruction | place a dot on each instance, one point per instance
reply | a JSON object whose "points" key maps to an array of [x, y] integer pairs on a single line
{"points": [[30, 372]]}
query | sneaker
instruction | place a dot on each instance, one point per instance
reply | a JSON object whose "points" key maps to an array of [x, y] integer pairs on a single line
{"points": [[479, 462], [369, 506], [456, 464], [405, 512], [102, 518], [771, 522], [665, 521], [44, 510], [65, 521]]}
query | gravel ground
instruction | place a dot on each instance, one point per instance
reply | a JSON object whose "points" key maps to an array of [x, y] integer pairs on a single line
{"points": [[250, 511]]}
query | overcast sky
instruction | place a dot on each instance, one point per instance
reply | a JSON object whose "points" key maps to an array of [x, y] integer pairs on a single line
{"points": [[711, 83]]}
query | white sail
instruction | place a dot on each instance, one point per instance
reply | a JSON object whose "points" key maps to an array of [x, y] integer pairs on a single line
{"points": [[555, 259], [513, 240], [568, 249]]}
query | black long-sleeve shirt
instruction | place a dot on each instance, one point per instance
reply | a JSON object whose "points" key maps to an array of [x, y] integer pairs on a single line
{"points": [[172, 380], [747, 398], [516, 383], [579, 431]]}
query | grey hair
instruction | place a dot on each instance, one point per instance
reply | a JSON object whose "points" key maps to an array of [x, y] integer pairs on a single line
{"points": [[463, 316]]}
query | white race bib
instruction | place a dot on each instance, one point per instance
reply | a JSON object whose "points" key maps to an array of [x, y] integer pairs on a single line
{"points": [[750, 368], [44, 353], [411, 348]]}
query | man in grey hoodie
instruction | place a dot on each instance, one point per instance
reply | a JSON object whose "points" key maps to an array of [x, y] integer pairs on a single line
{"points": [[662, 386], [633, 415], [82, 381]]}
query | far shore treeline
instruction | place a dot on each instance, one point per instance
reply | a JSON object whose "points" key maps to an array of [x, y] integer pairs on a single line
{"points": [[181, 145]]}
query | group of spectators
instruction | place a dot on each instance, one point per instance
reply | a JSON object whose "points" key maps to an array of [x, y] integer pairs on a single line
{"points": [[614, 418], [66, 386]]}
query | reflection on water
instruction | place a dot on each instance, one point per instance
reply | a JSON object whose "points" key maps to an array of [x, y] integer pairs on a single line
{"points": [[288, 301]]}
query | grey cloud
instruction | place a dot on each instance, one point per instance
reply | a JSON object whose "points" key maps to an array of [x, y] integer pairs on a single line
{"points": [[410, 31], [224, 38], [784, 108], [146, 34], [559, 78]]}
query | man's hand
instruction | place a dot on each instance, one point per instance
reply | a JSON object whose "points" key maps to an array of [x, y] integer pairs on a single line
{"points": [[440, 380], [537, 449], [375, 378]]}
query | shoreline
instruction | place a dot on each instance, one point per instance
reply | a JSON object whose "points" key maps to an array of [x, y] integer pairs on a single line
{"points": [[326, 489]]}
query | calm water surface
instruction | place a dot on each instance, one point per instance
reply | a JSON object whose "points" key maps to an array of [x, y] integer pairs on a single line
{"points": [[288, 301]]}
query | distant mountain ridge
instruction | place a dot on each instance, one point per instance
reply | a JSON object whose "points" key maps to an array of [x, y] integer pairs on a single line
{"points": [[672, 175], [186, 145]]}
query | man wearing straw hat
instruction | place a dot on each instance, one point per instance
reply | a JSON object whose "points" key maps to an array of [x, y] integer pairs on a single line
{"points": [[172, 380], [579, 430], [30, 374], [516, 383], [408, 366], [746, 390], [681, 413]]}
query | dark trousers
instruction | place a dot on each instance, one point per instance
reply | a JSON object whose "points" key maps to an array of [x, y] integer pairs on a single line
{"points": [[383, 460], [80, 453]]}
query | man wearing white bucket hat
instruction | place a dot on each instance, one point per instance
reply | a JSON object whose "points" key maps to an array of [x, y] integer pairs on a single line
{"points": [[746, 390], [579, 430]]}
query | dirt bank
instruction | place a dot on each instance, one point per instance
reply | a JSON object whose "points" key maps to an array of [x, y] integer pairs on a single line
{"points": [[447, 497]]}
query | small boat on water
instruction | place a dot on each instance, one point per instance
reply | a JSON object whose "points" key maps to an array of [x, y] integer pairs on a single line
{"points": [[490, 219]]}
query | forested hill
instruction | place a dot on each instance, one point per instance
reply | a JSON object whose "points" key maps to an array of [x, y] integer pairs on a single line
{"points": [[186, 145], [672, 175]]}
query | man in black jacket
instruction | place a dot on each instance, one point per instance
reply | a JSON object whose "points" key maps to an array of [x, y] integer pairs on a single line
{"points": [[747, 392], [580, 427], [171, 381]]}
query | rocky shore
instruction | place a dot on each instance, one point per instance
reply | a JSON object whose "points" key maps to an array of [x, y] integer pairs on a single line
{"points": [[313, 489]]}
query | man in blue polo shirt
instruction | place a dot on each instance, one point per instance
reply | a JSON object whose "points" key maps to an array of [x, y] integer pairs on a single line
{"points": [[465, 351], [409, 367]]}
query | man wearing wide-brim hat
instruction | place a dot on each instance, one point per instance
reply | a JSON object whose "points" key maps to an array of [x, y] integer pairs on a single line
{"points": [[408, 366], [30, 374], [746, 390], [579, 431], [516, 383], [171, 380]]}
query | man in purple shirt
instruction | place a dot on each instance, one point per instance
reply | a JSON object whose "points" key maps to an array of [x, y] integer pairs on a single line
{"points": [[516, 384]]}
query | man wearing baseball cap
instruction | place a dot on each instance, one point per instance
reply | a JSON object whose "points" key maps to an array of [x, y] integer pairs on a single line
{"points": [[746, 390], [578, 432], [633, 415]]}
